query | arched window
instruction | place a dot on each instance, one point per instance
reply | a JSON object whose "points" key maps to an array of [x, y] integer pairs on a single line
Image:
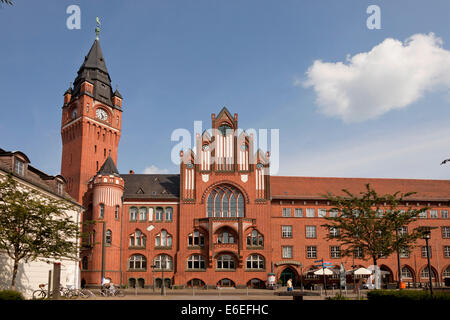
{"points": [[116, 212], [225, 201], [142, 214], [163, 239], [108, 237], [406, 273], [133, 213], [137, 239], [447, 272], [196, 261], [225, 283], [159, 214], [169, 214], [195, 283], [255, 261], [225, 237], [102, 211], [425, 273], [255, 239], [137, 262], [163, 261], [84, 263], [196, 239], [226, 261]]}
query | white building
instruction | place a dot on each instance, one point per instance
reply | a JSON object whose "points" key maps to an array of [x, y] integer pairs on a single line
{"points": [[36, 272]]}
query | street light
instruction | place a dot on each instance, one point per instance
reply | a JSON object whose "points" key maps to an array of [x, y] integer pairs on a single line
{"points": [[163, 266], [426, 234], [301, 276], [153, 266]]}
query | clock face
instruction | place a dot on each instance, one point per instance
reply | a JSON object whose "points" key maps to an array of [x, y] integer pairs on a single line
{"points": [[190, 165], [205, 147], [244, 147], [259, 165], [74, 114], [101, 114]]}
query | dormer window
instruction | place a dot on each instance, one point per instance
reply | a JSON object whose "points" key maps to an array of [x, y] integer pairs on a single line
{"points": [[19, 166], [60, 187]]}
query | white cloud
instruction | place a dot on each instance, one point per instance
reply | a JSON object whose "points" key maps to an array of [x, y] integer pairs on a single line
{"points": [[392, 75], [154, 170]]}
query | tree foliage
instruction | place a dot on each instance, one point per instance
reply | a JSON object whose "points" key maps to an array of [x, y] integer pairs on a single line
{"points": [[34, 226], [370, 222]]}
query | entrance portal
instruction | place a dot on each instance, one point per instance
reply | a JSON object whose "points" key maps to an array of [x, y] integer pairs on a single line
{"points": [[287, 274]]}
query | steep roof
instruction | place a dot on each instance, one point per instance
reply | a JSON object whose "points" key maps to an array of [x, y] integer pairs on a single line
{"points": [[94, 71], [152, 186], [316, 187], [108, 167]]}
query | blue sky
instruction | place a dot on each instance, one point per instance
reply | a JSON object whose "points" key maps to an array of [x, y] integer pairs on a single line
{"points": [[175, 62]]}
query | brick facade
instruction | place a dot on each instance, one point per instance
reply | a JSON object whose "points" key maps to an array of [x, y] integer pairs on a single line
{"points": [[223, 166]]}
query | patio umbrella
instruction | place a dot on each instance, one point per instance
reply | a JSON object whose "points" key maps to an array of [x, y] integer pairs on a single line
{"points": [[362, 271], [321, 272]]}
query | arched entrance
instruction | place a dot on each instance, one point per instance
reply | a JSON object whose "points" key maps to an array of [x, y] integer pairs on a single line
{"points": [[286, 274], [386, 275]]}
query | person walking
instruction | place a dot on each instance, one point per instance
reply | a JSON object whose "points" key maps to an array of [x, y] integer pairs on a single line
{"points": [[289, 285]]}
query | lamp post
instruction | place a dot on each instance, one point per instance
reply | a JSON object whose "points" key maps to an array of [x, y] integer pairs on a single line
{"points": [[163, 266], [153, 271], [301, 276], [426, 234]]}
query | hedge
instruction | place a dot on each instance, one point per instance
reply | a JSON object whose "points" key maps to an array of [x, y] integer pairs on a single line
{"points": [[11, 295], [406, 295]]}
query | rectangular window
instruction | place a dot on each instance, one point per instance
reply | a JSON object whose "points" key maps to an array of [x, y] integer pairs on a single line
{"points": [[334, 232], [433, 214], [102, 211], [298, 212], [404, 253], [310, 212], [287, 252], [310, 231], [358, 253], [447, 251], [18, 167], [446, 232], [423, 215], [60, 188], [424, 251], [322, 213], [444, 214], [403, 231], [169, 214], [333, 213], [286, 231], [311, 252], [335, 252], [286, 212]]}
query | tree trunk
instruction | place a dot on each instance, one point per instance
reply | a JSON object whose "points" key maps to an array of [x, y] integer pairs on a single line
{"points": [[14, 275]]}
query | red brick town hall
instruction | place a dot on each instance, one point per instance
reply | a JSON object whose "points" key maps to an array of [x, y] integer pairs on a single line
{"points": [[223, 220]]}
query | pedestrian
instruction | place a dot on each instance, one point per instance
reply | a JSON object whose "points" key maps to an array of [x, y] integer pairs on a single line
{"points": [[289, 285]]}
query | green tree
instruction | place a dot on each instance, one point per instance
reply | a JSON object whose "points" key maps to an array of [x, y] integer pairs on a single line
{"points": [[33, 226], [370, 222]]}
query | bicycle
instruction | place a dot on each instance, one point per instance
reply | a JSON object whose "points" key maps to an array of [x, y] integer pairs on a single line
{"points": [[84, 293], [116, 292], [40, 293]]}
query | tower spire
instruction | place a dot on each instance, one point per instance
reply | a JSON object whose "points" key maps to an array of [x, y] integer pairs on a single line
{"points": [[97, 28]]}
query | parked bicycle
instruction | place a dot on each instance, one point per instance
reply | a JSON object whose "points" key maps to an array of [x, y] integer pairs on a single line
{"points": [[40, 293], [112, 291]]}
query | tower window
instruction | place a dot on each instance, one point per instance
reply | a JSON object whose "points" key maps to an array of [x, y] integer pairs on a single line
{"points": [[102, 211], [108, 237]]}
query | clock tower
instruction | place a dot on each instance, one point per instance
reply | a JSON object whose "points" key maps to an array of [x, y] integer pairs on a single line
{"points": [[90, 125]]}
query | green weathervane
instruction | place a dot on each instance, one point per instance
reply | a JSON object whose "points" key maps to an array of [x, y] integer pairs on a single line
{"points": [[97, 29]]}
